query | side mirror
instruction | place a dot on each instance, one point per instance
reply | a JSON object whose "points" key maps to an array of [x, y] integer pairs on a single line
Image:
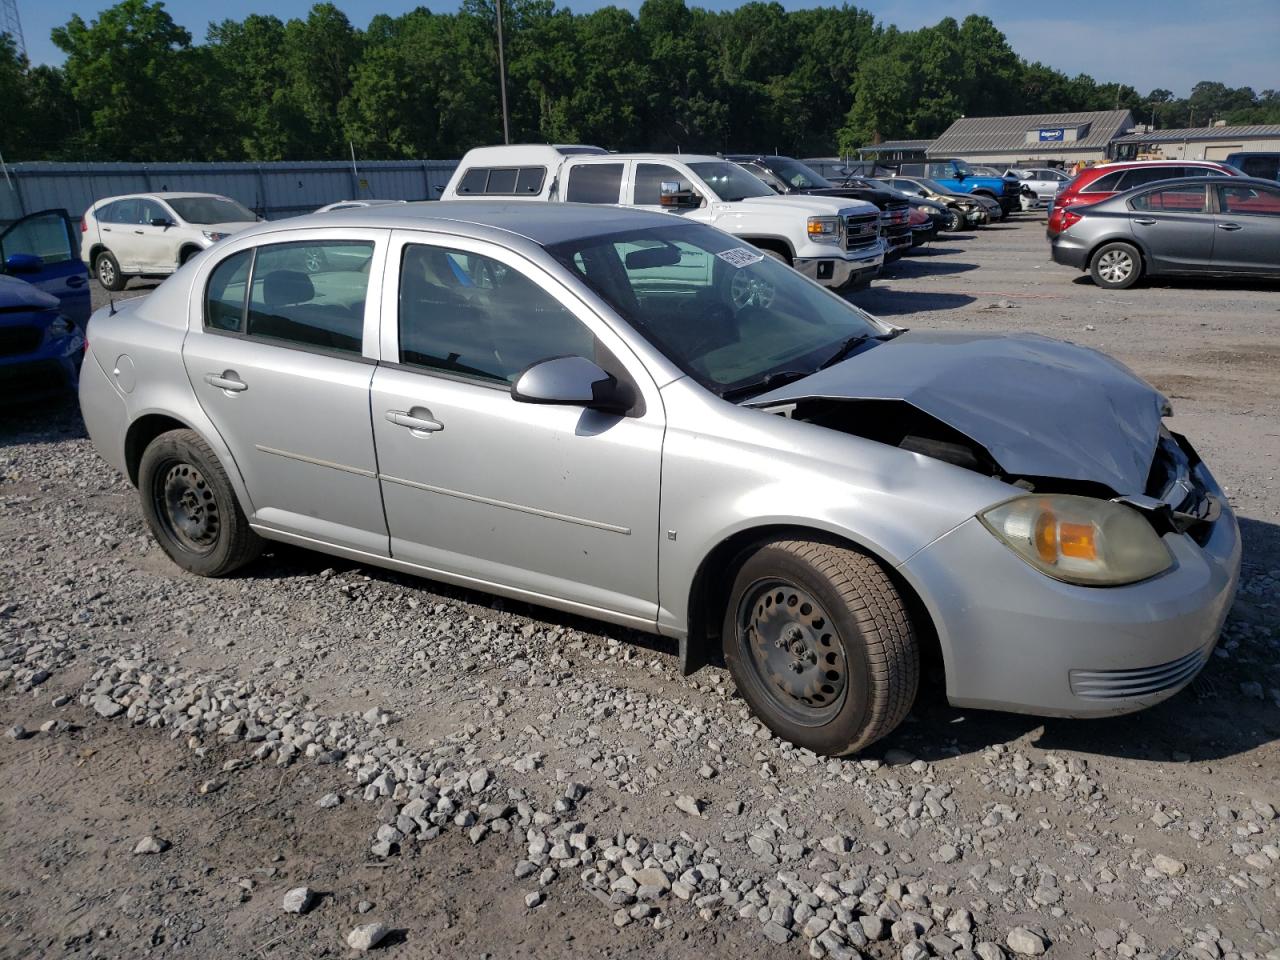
{"points": [[570, 381], [161, 222], [23, 263], [673, 196]]}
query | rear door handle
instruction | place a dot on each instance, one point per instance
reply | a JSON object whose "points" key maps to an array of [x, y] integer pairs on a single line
{"points": [[425, 424], [227, 380], [1145, 221], [1229, 226]]}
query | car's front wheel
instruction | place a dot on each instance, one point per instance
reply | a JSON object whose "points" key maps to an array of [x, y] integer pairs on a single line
{"points": [[820, 645], [107, 268], [1116, 266], [954, 221], [191, 507]]}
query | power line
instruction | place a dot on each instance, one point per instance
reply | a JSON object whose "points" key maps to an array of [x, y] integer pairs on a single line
{"points": [[10, 24]]}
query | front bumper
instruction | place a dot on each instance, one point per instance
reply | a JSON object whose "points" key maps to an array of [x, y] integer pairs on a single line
{"points": [[843, 267], [1014, 639], [1068, 251]]}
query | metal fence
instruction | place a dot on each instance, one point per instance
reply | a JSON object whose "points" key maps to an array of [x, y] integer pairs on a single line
{"points": [[272, 190]]}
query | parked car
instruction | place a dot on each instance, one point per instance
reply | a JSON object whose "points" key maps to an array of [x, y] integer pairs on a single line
{"points": [[352, 204], [1095, 184], [1039, 185], [968, 211], [1207, 226], [44, 306], [956, 176], [152, 234], [1256, 164], [789, 177], [834, 241], [923, 227], [642, 419], [837, 170]]}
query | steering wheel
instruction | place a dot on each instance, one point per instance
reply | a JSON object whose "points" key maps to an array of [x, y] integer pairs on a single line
{"points": [[750, 290]]}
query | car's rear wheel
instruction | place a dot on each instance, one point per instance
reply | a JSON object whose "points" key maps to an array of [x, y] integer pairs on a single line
{"points": [[1116, 266], [191, 507], [107, 268], [820, 645]]}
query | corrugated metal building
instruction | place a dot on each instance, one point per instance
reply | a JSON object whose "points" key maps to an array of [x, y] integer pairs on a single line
{"points": [[272, 190], [1199, 143], [1067, 137]]}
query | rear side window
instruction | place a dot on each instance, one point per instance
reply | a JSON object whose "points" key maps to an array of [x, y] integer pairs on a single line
{"points": [[1182, 199], [227, 291], [595, 183], [311, 294], [502, 181], [1263, 165], [1105, 183]]}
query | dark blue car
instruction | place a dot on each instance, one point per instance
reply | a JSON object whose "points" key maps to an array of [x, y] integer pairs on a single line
{"points": [[44, 306]]}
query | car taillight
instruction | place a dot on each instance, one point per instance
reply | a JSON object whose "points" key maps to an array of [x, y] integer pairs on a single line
{"points": [[1069, 219], [84, 227]]}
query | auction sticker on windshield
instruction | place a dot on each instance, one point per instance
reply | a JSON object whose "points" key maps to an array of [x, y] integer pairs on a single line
{"points": [[740, 257]]}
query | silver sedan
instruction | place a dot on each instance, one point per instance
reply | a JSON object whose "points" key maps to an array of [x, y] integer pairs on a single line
{"points": [[640, 419]]}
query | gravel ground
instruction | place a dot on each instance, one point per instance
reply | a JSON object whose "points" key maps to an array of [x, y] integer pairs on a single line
{"points": [[444, 771]]}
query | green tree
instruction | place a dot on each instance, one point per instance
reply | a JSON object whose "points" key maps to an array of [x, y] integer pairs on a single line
{"points": [[134, 74]]}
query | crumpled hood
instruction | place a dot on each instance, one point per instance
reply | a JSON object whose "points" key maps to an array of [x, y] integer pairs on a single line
{"points": [[1040, 407], [19, 293]]}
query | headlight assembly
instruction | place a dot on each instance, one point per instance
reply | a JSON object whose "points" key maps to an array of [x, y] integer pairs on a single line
{"points": [[825, 229], [1079, 539]]}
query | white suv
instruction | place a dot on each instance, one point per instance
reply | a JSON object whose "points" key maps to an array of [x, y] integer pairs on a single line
{"points": [[152, 234]]}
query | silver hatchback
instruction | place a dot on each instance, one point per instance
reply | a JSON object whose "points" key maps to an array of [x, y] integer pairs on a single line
{"points": [[640, 419]]}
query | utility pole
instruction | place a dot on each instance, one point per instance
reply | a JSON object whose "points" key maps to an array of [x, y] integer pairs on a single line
{"points": [[502, 78], [10, 24]]}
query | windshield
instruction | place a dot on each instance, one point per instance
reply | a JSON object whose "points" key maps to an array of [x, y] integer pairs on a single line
{"points": [[933, 186], [210, 210], [730, 182], [797, 174], [721, 311]]}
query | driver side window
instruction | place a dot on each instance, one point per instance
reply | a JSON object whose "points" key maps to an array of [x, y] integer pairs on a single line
{"points": [[467, 314]]}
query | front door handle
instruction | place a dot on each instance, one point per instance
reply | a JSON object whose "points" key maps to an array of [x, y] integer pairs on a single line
{"points": [[1229, 226], [228, 380], [422, 424], [1145, 221]]}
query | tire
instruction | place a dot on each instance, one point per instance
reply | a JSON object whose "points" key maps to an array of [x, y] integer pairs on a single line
{"points": [[775, 254], [1116, 266], [186, 255], [837, 669], [107, 269], [955, 222], [191, 507]]}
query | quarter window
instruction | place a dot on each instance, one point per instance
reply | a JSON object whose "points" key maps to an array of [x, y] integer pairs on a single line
{"points": [[311, 294], [594, 183], [468, 314], [225, 296], [1104, 184]]}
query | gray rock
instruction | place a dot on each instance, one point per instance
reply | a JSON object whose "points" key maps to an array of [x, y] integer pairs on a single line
{"points": [[533, 899], [104, 706], [689, 805], [948, 853], [1168, 865], [478, 780], [1025, 943], [17, 732], [298, 900], [988, 950], [875, 927], [776, 932], [367, 936], [151, 845]]}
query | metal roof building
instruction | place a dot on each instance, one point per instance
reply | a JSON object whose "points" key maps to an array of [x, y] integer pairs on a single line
{"points": [[1038, 136], [1199, 143]]}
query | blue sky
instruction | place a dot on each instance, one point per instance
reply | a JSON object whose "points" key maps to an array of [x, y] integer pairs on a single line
{"points": [[1145, 43]]}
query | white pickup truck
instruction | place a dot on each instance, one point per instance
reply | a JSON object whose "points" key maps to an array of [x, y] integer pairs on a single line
{"points": [[834, 241]]}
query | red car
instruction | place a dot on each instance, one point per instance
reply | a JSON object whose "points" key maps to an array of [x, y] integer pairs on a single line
{"points": [[1095, 184]]}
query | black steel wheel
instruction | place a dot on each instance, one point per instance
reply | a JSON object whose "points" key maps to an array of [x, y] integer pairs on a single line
{"points": [[954, 221], [191, 506], [820, 645]]}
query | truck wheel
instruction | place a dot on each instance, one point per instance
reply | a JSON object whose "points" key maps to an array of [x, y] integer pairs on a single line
{"points": [[775, 254], [107, 269], [1115, 266], [820, 645], [191, 507]]}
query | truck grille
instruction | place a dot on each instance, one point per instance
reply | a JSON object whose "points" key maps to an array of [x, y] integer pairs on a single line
{"points": [[15, 341], [1142, 681], [861, 230]]}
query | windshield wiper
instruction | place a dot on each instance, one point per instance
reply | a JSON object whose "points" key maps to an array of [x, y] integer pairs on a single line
{"points": [[852, 344], [778, 378]]}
